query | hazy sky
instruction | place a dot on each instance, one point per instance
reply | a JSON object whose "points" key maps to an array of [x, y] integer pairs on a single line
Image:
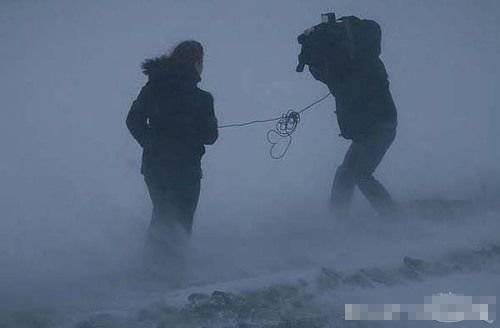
{"points": [[70, 70]]}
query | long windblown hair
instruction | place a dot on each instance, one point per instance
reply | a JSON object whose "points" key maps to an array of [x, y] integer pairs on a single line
{"points": [[185, 54]]}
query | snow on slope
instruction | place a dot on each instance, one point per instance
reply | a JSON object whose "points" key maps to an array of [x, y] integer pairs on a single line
{"points": [[316, 299], [419, 261]]}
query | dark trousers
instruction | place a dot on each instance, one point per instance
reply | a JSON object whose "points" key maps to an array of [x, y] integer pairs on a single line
{"points": [[174, 194], [360, 162]]}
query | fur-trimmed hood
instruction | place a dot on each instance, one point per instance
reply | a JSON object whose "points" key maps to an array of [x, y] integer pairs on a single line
{"points": [[162, 68]]}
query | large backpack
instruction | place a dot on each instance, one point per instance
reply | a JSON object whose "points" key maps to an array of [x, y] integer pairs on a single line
{"points": [[348, 40]]}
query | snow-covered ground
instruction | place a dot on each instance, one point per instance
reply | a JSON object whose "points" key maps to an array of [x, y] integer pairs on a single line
{"points": [[315, 298], [399, 262]]}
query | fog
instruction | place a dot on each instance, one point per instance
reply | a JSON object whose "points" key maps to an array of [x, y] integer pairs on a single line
{"points": [[74, 205]]}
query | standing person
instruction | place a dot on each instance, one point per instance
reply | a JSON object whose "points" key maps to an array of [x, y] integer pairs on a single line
{"points": [[172, 120], [344, 55]]}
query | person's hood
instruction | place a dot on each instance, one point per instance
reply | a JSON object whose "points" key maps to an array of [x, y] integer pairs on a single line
{"points": [[162, 69]]}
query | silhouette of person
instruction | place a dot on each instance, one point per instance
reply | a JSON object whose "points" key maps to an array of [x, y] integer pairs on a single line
{"points": [[172, 120], [366, 113]]}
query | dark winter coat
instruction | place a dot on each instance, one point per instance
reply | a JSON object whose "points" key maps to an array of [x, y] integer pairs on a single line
{"points": [[357, 78], [172, 119]]}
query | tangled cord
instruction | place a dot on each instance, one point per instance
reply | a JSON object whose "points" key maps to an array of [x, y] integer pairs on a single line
{"points": [[285, 126]]}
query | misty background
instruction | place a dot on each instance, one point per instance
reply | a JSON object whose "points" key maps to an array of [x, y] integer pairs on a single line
{"points": [[73, 203]]}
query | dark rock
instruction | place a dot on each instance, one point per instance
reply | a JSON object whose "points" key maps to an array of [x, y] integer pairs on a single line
{"points": [[358, 279], [329, 279], [198, 298], [379, 276], [414, 264]]}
